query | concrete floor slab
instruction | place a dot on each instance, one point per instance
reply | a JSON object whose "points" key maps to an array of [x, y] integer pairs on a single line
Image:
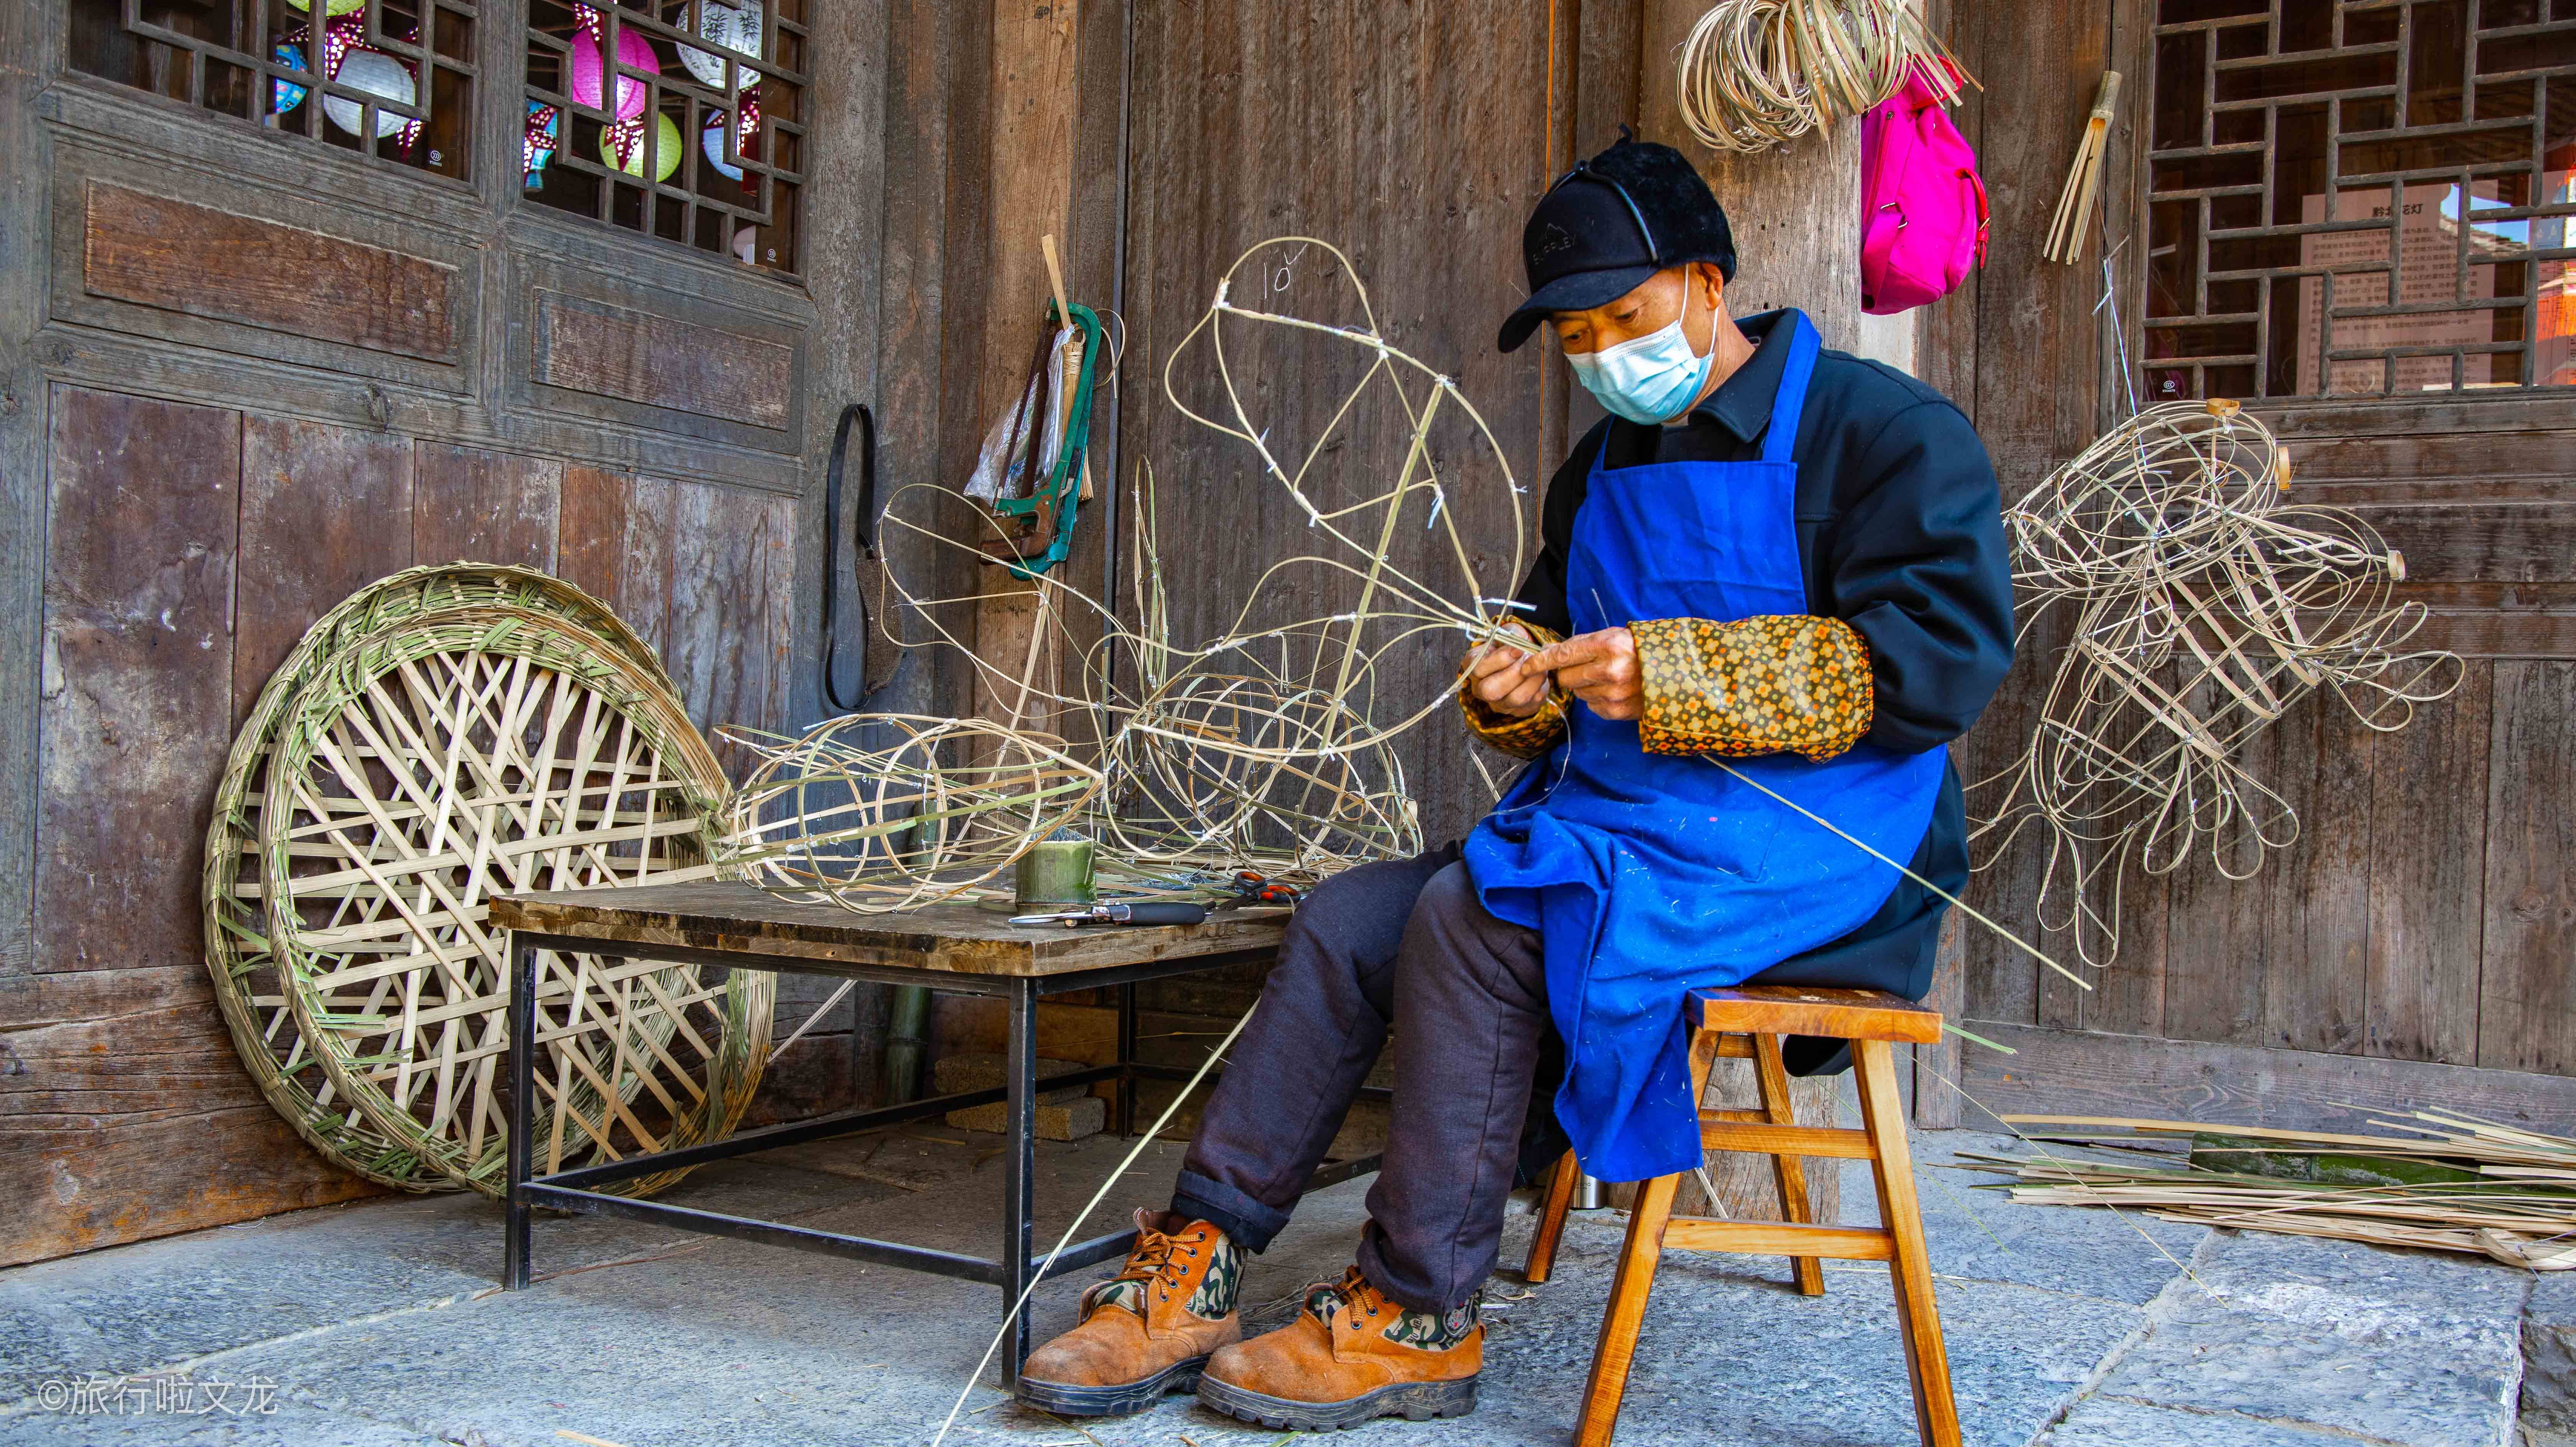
{"points": [[2104, 1422], [2397, 1346], [395, 1333], [158, 1303]]}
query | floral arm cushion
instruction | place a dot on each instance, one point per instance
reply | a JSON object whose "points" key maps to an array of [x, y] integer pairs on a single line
{"points": [[1778, 683]]}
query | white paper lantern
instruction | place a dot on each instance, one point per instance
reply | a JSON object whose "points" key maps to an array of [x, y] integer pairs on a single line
{"points": [[379, 75], [733, 28]]}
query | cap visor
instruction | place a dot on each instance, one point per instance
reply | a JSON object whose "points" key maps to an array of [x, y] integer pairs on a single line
{"points": [[1578, 291]]}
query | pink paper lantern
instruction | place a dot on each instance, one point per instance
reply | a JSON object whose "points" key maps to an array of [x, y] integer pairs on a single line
{"points": [[588, 71]]}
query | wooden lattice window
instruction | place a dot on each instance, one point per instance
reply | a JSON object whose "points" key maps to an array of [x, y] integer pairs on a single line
{"points": [[2360, 198], [390, 78], [701, 138]]}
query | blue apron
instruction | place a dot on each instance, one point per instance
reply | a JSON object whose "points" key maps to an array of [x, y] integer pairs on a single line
{"points": [[1650, 875]]}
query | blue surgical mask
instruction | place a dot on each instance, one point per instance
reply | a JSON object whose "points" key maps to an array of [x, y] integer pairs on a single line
{"points": [[1649, 379]]}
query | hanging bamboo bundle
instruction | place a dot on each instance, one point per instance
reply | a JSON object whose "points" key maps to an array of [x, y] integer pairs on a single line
{"points": [[1756, 74], [2455, 1183]]}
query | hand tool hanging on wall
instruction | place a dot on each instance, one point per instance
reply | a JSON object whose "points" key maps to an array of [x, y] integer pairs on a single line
{"points": [[908, 1012], [1034, 470], [863, 534]]}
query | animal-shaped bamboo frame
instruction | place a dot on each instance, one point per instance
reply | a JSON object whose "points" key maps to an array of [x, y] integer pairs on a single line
{"points": [[2200, 607]]}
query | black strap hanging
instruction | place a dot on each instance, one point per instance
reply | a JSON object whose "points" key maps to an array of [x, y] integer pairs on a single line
{"points": [[863, 534]]}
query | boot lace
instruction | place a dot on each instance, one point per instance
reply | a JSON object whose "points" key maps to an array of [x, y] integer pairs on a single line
{"points": [[1155, 1266]]}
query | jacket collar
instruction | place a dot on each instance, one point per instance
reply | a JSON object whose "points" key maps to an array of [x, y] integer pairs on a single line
{"points": [[1742, 403]]}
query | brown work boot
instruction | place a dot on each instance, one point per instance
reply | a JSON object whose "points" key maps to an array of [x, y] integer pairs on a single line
{"points": [[1351, 1355], [1146, 1331]]}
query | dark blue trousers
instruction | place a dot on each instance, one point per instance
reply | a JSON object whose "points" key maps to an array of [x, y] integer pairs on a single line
{"points": [[1402, 946]]}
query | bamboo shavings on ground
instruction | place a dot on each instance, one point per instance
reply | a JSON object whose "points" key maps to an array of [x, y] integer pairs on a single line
{"points": [[1756, 74], [1268, 747], [2456, 1184], [2204, 606]]}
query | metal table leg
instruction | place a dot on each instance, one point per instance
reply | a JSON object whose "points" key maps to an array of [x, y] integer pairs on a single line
{"points": [[523, 1089], [1127, 1061], [1019, 1176]]}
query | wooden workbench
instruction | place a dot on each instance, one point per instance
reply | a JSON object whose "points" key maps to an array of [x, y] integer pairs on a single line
{"points": [[954, 948]]}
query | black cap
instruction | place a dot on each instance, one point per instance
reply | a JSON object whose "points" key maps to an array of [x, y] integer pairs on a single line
{"points": [[1609, 224]]}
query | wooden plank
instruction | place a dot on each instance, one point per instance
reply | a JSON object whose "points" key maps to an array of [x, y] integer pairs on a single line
{"points": [[1778, 1238], [1840, 1142], [2315, 989], [590, 532], [110, 1182], [138, 673], [2529, 542], [728, 568], [950, 938], [2073, 1072], [644, 570], [158, 252], [610, 351], [469, 505], [1417, 140], [2435, 461], [2526, 990], [2428, 873], [2219, 931], [1811, 1010], [912, 358], [2517, 634], [325, 510], [32, 35]]}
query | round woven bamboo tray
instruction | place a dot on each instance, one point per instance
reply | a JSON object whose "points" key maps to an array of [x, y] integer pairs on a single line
{"points": [[247, 990], [477, 752]]}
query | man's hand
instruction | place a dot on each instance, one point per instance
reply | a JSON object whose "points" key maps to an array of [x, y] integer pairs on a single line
{"points": [[1499, 677], [1598, 668]]}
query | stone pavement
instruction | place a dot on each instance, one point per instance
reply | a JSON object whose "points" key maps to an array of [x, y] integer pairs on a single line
{"points": [[378, 1323]]}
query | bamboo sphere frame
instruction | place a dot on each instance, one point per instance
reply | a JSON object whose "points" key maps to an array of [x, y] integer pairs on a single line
{"points": [[1259, 749], [247, 992], [529, 751]]}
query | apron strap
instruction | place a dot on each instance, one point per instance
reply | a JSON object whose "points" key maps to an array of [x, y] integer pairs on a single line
{"points": [[1780, 439]]}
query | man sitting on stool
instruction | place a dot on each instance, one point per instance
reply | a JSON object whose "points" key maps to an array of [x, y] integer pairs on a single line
{"points": [[1779, 555]]}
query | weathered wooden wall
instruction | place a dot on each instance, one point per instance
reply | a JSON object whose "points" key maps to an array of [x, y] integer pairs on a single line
{"points": [[2423, 918], [188, 548], [195, 463]]}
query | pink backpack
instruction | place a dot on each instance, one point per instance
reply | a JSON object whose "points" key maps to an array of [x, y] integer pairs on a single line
{"points": [[1923, 210]]}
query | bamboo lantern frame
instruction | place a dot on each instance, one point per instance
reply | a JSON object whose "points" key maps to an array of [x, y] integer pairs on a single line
{"points": [[247, 990], [480, 751]]}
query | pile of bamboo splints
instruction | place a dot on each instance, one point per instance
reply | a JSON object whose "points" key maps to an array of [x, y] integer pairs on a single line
{"points": [[2454, 1183]]}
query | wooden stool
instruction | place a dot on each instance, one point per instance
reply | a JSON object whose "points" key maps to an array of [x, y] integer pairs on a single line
{"points": [[1748, 1022]]}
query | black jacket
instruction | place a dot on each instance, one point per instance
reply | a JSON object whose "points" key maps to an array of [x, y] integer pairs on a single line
{"points": [[1900, 534]]}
